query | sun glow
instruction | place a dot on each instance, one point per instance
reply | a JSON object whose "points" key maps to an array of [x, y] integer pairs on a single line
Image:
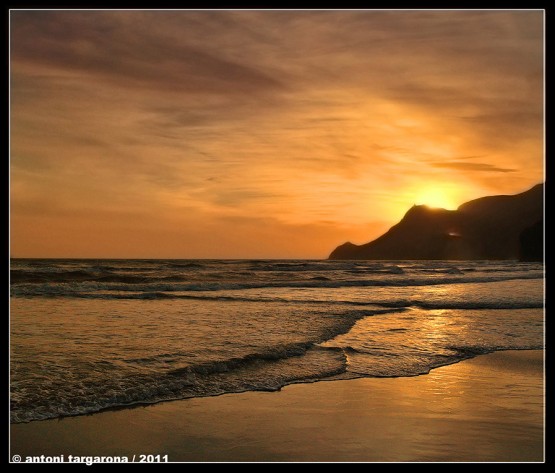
{"points": [[436, 197], [258, 144]]}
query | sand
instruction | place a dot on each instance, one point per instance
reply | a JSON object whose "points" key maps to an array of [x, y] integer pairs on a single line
{"points": [[489, 408]]}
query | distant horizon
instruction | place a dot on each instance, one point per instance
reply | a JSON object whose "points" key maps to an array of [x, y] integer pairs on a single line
{"points": [[115, 258], [256, 259], [208, 134]]}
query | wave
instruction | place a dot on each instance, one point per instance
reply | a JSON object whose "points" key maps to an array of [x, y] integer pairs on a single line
{"points": [[269, 370], [18, 276], [224, 366], [376, 364], [453, 270], [224, 362], [390, 304], [22, 276], [460, 353], [234, 376], [470, 305], [151, 379], [76, 281]]}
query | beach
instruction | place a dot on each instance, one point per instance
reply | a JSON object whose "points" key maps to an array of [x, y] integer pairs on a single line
{"points": [[489, 408], [277, 236]]}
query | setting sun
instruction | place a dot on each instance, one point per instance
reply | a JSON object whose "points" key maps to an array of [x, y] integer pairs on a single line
{"points": [[212, 210], [436, 197], [278, 136]]}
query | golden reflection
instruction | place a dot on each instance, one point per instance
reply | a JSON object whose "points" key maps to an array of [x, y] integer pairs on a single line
{"points": [[435, 324]]}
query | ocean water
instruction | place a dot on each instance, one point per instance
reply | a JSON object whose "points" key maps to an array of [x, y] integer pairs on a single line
{"points": [[87, 335]]}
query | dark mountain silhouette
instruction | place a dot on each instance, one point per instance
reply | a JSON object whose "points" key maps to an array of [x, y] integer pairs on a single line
{"points": [[531, 243], [485, 228]]}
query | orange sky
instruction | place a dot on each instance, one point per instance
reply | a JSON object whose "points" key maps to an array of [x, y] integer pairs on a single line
{"points": [[253, 134]]}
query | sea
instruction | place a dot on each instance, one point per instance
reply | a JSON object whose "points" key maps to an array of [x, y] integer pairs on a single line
{"points": [[89, 335]]}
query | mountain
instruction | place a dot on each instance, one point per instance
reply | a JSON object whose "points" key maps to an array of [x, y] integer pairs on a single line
{"points": [[531, 243], [486, 228]]}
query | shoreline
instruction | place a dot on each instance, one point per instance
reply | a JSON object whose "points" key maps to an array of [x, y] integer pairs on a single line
{"points": [[485, 408], [143, 404]]}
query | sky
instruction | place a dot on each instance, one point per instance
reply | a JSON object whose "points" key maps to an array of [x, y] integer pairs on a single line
{"points": [[261, 134]]}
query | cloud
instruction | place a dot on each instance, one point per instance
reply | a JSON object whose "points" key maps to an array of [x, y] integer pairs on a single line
{"points": [[296, 116], [465, 166]]}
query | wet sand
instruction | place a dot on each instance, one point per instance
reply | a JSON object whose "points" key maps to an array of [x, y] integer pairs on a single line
{"points": [[489, 408]]}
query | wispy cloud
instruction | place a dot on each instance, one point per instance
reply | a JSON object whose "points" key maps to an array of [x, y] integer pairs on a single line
{"points": [[113, 47], [294, 118], [466, 166]]}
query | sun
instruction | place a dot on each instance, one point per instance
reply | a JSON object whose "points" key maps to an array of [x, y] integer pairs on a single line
{"points": [[436, 197]]}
